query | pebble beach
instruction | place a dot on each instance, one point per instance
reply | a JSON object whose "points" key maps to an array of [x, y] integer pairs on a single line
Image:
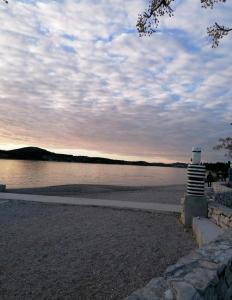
{"points": [[53, 251]]}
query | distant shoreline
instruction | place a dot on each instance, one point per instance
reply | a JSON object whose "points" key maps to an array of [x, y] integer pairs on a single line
{"points": [[38, 154], [127, 163]]}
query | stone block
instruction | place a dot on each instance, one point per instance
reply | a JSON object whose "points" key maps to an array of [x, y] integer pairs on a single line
{"points": [[205, 230], [205, 275], [193, 206], [184, 291]]}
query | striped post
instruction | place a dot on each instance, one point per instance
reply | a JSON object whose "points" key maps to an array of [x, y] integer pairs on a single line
{"points": [[196, 180], [196, 174], [194, 203]]}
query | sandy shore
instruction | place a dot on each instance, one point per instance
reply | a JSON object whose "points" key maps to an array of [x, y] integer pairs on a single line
{"points": [[52, 251], [162, 194]]}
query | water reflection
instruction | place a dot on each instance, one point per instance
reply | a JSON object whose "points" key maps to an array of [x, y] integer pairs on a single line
{"points": [[19, 173]]}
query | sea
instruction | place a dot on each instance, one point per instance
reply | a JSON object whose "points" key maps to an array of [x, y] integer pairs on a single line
{"points": [[25, 173]]}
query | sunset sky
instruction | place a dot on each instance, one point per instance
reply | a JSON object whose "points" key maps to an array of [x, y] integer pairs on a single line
{"points": [[76, 78]]}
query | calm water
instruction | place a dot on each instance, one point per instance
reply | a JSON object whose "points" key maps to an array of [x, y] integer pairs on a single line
{"points": [[19, 173]]}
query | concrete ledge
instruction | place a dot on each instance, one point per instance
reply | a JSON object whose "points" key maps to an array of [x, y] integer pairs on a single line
{"points": [[205, 230], [147, 206], [204, 274]]}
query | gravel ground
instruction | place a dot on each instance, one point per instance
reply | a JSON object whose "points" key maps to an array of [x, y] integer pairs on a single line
{"points": [[162, 194], [52, 251]]}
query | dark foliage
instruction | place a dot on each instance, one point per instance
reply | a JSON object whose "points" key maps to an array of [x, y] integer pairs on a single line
{"points": [[148, 20], [217, 167], [225, 144]]}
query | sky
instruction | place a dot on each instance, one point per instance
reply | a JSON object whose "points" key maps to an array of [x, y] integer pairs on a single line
{"points": [[76, 78]]}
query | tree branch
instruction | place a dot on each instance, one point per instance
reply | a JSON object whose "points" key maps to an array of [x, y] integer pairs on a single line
{"points": [[210, 3], [223, 28], [225, 144], [217, 32], [148, 21]]}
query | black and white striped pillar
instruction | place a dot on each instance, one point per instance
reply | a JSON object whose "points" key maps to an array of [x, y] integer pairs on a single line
{"points": [[196, 174]]}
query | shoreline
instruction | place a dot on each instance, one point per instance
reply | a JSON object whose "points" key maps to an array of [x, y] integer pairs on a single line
{"points": [[99, 161], [170, 194]]}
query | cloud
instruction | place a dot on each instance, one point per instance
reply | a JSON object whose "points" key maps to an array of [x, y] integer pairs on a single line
{"points": [[75, 75]]}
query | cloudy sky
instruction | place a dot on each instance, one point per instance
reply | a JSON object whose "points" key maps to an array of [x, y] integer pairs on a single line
{"points": [[76, 78]]}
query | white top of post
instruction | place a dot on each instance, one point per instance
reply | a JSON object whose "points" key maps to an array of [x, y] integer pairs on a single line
{"points": [[196, 155]]}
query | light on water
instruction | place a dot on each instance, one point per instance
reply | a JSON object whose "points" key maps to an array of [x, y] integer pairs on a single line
{"points": [[21, 173]]}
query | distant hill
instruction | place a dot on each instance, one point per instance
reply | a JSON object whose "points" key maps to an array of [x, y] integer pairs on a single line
{"points": [[34, 153]]}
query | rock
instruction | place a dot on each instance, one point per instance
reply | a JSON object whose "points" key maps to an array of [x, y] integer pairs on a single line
{"points": [[204, 274], [168, 295], [184, 291]]}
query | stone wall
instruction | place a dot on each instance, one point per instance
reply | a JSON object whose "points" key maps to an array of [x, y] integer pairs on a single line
{"points": [[224, 198], [222, 194], [221, 215], [204, 274]]}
